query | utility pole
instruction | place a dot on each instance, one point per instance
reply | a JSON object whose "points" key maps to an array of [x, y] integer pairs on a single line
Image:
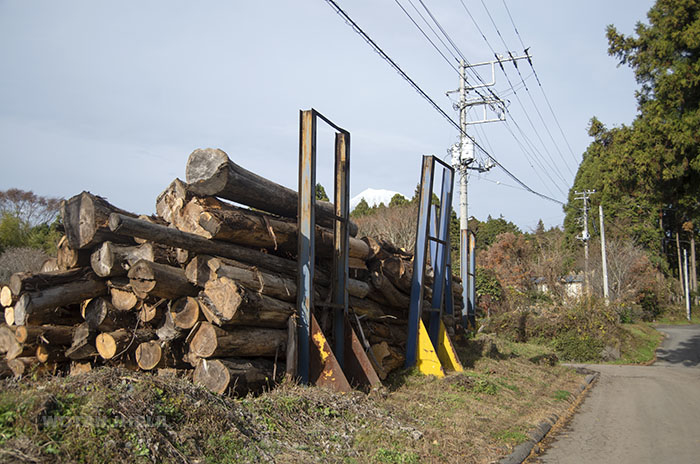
{"points": [[603, 256], [464, 159], [685, 280], [585, 236]]}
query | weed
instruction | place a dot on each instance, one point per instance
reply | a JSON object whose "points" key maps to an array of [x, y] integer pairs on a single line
{"points": [[484, 385], [561, 395], [393, 456], [512, 436]]}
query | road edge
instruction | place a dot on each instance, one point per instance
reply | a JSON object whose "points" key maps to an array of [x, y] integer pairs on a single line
{"points": [[522, 451]]}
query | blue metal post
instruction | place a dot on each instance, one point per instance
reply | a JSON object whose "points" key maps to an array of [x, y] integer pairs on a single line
{"points": [[419, 259], [440, 263], [306, 222]]}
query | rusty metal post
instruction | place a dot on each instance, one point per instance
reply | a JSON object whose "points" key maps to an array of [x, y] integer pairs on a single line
{"points": [[306, 246], [341, 242]]}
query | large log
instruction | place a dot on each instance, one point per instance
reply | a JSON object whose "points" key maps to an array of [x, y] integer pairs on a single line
{"points": [[85, 220], [158, 354], [214, 219], [33, 303], [244, 375], [22, 282], [204, 268], [211, 341], [102, 316], [197, 244], [159, 280], [113, 344], [226, 303], [83, 345], [123, 298], [59, 335], [50, 265], [210, 172]]}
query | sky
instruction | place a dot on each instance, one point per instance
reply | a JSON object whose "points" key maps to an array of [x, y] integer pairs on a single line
{"points": [[112, 97]]}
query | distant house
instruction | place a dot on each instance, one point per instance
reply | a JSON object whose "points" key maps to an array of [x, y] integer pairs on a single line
{"points": [[573, 286]]}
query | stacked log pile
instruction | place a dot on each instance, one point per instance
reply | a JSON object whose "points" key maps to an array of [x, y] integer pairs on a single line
{"points": [[204, 287]]}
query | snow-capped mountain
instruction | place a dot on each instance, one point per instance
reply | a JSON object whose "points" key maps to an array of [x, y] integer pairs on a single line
{"points": [[373, 197]]}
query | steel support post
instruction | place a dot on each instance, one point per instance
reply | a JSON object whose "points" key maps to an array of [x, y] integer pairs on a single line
{"points": [[306, 220], [341, 242], [441, 256], [419, 260]]}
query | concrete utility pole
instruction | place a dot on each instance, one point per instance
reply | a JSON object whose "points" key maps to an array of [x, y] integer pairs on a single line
{"points": [[685, 281], [603, 255], [585, 236], [463, 158]]}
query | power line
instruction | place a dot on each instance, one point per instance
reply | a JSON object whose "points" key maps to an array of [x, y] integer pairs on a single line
{"points": [[420, 91], [539, 83]]}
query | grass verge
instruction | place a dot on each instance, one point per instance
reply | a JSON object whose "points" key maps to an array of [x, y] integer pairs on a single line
{"points": [[121, 416]]}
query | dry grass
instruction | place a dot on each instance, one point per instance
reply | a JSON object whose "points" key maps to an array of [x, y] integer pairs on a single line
{"points": [[475, 416]]}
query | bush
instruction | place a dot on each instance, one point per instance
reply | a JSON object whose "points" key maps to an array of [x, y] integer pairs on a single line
{"points": [[573, 346], [22, 259]]}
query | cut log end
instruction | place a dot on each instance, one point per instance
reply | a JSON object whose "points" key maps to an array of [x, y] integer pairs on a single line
{"points": [[148, 355], [212, 374], [185, 312]]}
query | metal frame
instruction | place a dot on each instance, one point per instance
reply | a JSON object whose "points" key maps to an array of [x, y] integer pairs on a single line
{"points": [[423, 239], [306, 242]]}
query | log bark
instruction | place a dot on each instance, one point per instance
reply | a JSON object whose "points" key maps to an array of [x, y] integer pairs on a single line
{"points": [[21, 366], [210, 172], [69, 258], [111, 259], [102, 316], [195, 243], [167, 330], [83, 346], [159, 280], [112, 344], [32, 303], [22, 282], [226, 303], [377, 312], [389, 293], [85, 220], [216, 220], [55, 335], [243, 375], [211, 341]]}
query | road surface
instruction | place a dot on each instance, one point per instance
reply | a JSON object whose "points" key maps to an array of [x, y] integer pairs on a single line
{"points": [[639, 414]]}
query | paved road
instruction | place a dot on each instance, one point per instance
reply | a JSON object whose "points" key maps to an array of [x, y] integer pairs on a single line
{"points": [[639, 414]]}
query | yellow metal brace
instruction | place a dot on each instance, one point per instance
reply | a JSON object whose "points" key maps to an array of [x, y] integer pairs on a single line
{"points": [[427, 360], [446, 351]]}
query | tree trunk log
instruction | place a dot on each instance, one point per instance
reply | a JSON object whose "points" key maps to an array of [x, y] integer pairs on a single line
{"points": [[158, 354], [226, 303], [6, 296], [10, 315], [185, 312], [172, 199], [197, 244], [150, 311], [83, 346], [69, 258], [243, 375], [112, 344], [211, 341], [85, 220], [160, 280], [102, 316], [32, 303], [216, 220], [22, 282], [50, 354], [210, 172], [110, 259], [21, 366], [389, 294], [120, 292], [55, 335]]}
